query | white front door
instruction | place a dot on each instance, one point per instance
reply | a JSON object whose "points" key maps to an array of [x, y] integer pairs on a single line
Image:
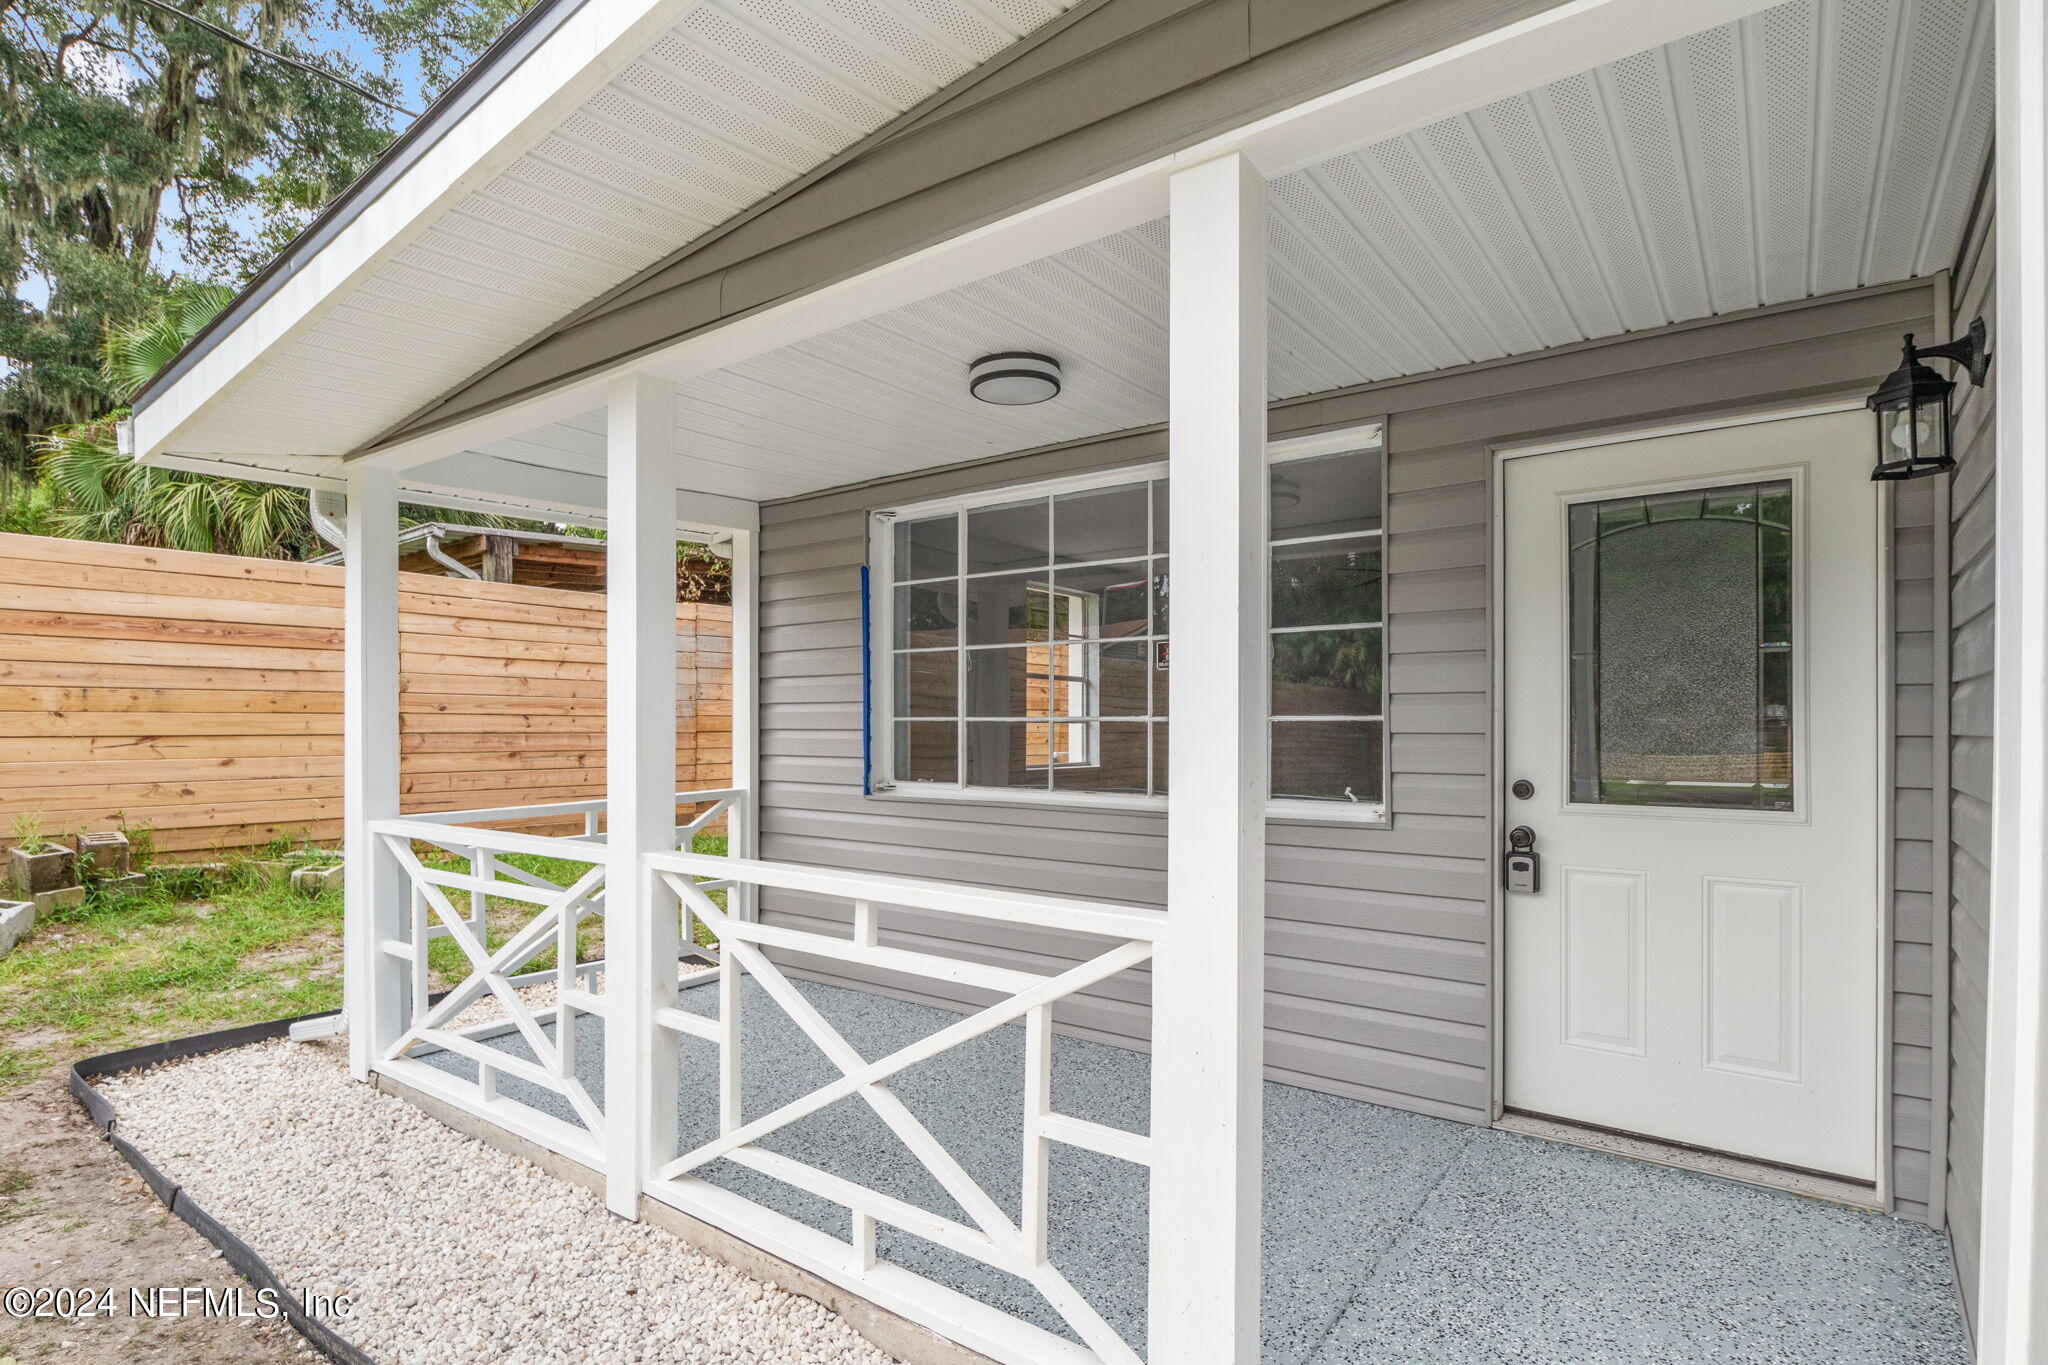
{"points": [[1691, 696]]}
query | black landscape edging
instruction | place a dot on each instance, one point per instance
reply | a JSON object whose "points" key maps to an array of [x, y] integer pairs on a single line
{"points": [[233, 1249]]}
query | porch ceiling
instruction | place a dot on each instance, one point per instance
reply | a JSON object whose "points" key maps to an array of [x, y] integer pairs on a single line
{"points": [[1818, 146], [733, 102]]}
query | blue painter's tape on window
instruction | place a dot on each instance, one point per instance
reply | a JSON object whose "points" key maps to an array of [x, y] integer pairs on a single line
{"points": [[867, 693]]}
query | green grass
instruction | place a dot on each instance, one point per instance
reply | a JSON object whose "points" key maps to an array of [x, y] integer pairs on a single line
{"points": [[119, 970], [184, 957]]}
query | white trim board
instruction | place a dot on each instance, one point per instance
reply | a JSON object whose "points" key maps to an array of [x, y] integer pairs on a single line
{"points": [[2012, 1302]]}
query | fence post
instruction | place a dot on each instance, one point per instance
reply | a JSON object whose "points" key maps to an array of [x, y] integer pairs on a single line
{"points": [[640, 930], [1208, 981], [374, 985]]}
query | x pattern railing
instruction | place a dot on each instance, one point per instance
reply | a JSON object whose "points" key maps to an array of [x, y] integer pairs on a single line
{"points": [[1018, 1247], [560, 909]]}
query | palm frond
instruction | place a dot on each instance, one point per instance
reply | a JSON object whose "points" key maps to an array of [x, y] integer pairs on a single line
{"points": [[131, 356]]}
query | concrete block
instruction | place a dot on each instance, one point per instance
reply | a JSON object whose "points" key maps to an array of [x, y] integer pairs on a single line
{"points": [[49, 868], [311, 881], [16, 919], [63, 898], [106, 853]]}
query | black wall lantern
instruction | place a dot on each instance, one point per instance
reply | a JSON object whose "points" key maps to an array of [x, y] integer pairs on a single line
{"points": [[1912, 407]]}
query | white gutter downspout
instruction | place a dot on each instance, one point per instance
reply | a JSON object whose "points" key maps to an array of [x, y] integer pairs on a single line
{"points": [[329, 513], [446, 560]]}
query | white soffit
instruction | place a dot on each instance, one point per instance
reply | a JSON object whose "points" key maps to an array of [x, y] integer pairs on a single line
{"points": [[738, 100], [1818, 146]]}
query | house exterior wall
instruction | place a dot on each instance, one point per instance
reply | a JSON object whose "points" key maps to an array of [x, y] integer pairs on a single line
{"points": [[1918, 726], [1971, 513], [1380, 940]]}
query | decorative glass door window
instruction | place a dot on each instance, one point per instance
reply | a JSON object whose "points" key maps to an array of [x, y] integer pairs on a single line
{"points": [[1683, 648], [1025, 643]]}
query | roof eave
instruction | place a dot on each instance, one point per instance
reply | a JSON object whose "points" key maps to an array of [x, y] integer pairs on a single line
{"points": [[477, 80], [551, 61]]}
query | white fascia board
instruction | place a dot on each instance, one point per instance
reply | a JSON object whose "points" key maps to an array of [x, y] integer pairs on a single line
{"points": [[1570, 38], [245, 467], [559, 76]]}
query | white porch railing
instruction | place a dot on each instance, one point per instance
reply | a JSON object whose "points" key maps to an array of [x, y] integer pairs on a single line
{"points": [[430, 899], [444, 902], [1018, 1247]]}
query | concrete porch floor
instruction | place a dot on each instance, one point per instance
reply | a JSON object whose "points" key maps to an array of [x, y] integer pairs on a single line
{"points": [[1389, 1237]]}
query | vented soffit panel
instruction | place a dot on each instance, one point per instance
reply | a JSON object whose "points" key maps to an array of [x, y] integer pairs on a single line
{"points": [[1816, 147], [738, 100]]}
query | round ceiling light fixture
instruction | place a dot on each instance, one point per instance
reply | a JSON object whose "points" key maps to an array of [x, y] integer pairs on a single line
{"points": [[1014, 378]]}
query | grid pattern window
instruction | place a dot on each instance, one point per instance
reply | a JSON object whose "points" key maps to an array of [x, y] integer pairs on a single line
{"points": [[1328, 626], [1028, 642], [1026, 645]]}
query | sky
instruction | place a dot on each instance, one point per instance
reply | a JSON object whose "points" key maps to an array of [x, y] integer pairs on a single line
{"points": [[350, 45]]}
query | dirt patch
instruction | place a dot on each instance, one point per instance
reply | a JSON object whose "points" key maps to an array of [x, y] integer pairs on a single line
{"points": [[74, 1214]]}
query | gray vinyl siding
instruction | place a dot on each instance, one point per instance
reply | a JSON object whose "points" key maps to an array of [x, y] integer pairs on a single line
{"points": [[1918, 725], [1971, 510], [1379, 940]]}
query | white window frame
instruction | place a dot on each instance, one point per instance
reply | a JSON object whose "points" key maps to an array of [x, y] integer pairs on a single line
{"points": [[1356, 437], [1086, 694], [882, 647], [882, 631]]}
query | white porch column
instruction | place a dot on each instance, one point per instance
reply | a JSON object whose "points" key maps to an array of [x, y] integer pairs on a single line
{"points": [[640, 782], [744, 829], [1208, 984], [2013, 1277], [374, 982]]}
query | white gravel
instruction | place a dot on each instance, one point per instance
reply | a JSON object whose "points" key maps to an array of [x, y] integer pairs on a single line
{"points": [[453, 1251]]}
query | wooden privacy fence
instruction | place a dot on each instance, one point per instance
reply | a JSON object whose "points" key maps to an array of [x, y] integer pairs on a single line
{"points": [[200, 695]]}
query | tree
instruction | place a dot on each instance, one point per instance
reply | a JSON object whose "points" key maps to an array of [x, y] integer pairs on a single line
{"points": [[144, 146], [440, 36], [137, 147], [101, 494], [93, 492]]}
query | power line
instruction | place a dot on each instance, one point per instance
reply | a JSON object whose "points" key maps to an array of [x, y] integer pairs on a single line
{"points": [[239, 41]]}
